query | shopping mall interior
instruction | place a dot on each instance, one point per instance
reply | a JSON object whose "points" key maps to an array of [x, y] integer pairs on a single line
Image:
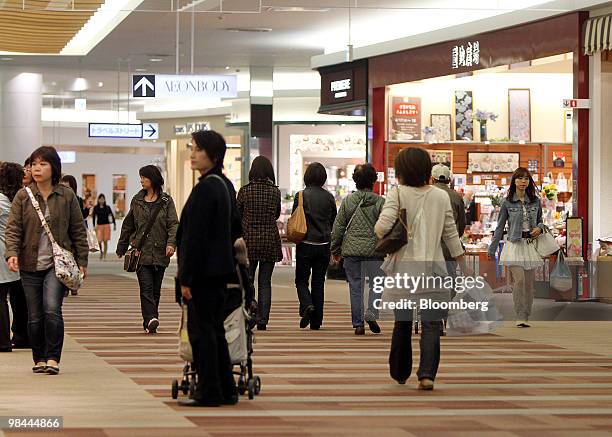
{"points": [[483, 87]]}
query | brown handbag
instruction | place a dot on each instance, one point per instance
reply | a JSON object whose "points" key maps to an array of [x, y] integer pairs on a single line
{"points": [[131, 260], [296, 225], [397, 237]]}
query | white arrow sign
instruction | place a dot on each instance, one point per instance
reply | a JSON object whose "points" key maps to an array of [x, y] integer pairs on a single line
{"points": [[150, 131], [143, 83]]}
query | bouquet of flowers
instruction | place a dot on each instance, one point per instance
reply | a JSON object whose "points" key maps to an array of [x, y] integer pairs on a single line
{"points": [[484, 116], [549, 191], [428, 131]]}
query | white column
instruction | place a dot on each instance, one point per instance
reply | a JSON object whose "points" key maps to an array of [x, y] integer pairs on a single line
{"points": [[20, 114]]}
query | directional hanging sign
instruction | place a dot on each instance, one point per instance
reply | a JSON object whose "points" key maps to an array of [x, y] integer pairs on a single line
{"points": [[150, 131], [169, 86], [115, 130]]}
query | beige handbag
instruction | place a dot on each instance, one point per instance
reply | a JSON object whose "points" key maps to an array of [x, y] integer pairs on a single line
{"points": [[296, 225]]}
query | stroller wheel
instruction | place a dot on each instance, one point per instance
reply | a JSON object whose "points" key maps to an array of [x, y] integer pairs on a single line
{"points": [[192, 386], [257, 385], [251, 388], [185, 386], [241, 385], [175, 389]]}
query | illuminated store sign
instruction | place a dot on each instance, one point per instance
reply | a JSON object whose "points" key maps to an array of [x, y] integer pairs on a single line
{"points": [[466, 55]]}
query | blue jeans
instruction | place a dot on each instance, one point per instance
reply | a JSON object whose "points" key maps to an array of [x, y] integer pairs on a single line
{"points": [[44, 295], [264, 288], [357, 269]]}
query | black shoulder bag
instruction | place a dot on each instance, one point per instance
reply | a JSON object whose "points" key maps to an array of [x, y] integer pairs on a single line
{"points": [[132, 256]]}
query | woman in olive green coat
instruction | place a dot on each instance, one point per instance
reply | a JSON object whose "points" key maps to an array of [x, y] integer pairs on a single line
{"points": [[159, 245]]}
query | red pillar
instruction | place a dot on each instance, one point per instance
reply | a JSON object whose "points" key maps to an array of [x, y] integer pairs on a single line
{"points": [[378, 112]]}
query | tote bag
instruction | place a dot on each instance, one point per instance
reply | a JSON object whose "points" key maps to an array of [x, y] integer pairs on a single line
{"points": [[185, 351], [66, 268], [296, 225], [561, 276], [545, 243]]}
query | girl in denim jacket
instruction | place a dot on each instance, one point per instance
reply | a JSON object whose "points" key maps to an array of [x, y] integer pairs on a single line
{"points": [[523, 212]]}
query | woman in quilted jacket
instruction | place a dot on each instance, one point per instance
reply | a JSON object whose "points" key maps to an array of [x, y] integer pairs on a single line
{"points": [[354, 239], [259, 204]]}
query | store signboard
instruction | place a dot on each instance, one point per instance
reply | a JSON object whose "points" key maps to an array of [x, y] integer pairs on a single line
{"points": [[189, 128], [173, 86], [150, 131], [344, 88], [115, 130], [576, 103], [405, 119], [574, 241], [465, 55]]}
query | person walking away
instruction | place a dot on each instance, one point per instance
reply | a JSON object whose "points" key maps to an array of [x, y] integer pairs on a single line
{"points": [[153, 205], [354, 239], [259, 205], [29, 251], [522, 211], [313, 253], [70, 181], [442, 178], [210, 224], [102, 218], [429, 219], [11, 179]]}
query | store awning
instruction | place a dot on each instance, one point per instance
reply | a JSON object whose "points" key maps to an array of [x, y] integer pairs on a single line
{"points": [[598, 34]]}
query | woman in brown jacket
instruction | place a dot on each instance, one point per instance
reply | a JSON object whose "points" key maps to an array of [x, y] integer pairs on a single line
{"points": [[29, 250], [259, 206]]}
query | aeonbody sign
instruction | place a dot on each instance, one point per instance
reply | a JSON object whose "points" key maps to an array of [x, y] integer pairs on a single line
{"points": [[169, 86]]}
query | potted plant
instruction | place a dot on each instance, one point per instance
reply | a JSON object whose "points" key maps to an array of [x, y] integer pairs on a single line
{"points": [[482, 117]]}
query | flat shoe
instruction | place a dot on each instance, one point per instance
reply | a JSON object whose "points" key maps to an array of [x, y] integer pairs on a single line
{"points": [[305, 320], [39, 369], [425, 384], [52, 370], [374, 326]]}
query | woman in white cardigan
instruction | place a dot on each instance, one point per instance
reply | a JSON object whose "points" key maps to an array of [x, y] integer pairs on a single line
{"points": [[429, 220]]}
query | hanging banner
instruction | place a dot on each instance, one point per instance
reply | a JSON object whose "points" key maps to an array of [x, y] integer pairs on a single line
{"points": [[405, 123]]}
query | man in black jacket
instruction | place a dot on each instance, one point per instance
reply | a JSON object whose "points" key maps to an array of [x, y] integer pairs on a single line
{"points": [[210, 224]]}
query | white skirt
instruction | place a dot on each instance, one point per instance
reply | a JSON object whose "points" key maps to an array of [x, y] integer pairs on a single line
{"points": [[520, 253]]}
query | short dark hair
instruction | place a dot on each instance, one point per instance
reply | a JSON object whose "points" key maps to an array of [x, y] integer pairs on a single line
{"points": [[71, 181], [213, 144], [152, 173], [261, 168], [50, 155], [27, 162], [413, 167], [315, 175], [11, 179], [365, 176]]}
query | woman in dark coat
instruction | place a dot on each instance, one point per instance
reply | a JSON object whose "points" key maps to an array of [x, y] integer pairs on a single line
{"points": [[209, 226], [259, 204]]}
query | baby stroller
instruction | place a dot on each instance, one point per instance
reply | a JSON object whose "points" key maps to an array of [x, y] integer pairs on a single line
{"points": [[240, 319]]}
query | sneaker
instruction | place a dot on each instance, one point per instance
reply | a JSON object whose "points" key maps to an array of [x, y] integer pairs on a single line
{"points": [[360, 330], [152, 326], [374, 327], [522, 324], [425, 384], [305, 321]]}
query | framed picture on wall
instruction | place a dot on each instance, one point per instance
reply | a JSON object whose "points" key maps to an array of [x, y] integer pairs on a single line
{"points": [[119, 194], [493, 162], [519, 114], [442, 157], [464, 126], [442, 128]]}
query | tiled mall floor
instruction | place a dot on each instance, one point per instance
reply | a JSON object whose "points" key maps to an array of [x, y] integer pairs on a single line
{"points": [[552, 379]]}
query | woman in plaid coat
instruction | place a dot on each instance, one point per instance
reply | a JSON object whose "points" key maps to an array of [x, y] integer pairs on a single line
{"points": [[259, 204]]}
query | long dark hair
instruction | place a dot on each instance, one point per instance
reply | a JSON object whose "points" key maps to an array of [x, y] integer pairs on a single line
{"points": [[522, 172], [102, 196], [71, 181], [261, 168], [11, 179]]}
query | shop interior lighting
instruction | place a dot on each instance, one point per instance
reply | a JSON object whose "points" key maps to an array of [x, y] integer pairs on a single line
{"points": [[107, 17], [80, 84], [156, 60]]}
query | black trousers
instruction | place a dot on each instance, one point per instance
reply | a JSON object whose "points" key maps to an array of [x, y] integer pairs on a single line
{"points": [[264, 288], [311, 260], [150, 281], [207, 337], [20, 315], [400, 356]]}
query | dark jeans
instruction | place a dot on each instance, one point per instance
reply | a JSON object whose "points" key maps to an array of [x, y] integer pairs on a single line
{"points": [[150, 281], [264, 288], [400, 356], [44, 294], [311, 259], [20, 315], [207, 337], [357, 269]]}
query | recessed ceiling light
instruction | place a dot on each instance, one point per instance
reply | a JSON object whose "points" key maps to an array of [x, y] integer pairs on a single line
{"points": [[156, 60], [250, 29], [227, 67], [140, 70], [53, 83], [100, 84], [6, 59]]}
